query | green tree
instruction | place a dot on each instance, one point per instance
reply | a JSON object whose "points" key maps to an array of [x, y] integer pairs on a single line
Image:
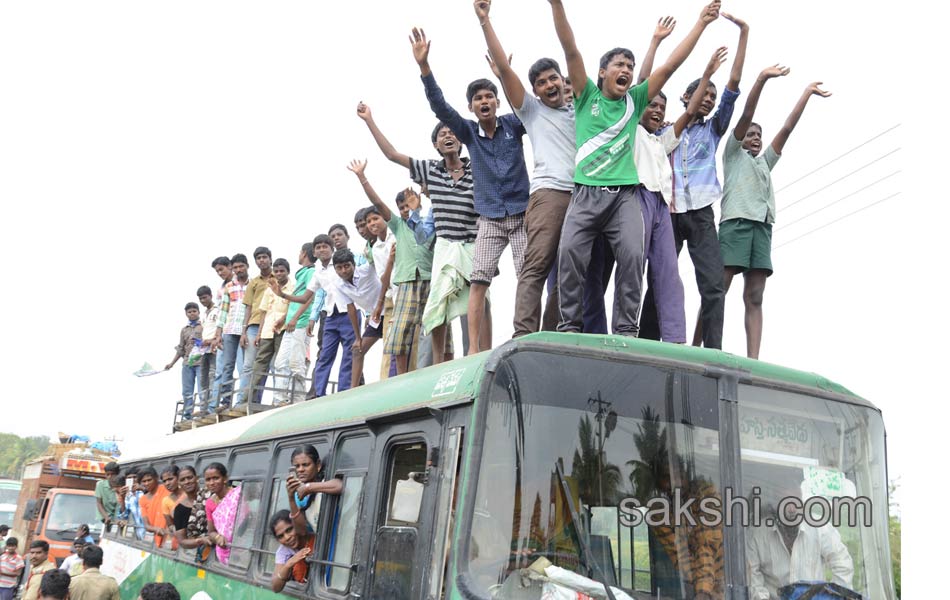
{"points": [[598, 480], [894, 535], [16, 451]]}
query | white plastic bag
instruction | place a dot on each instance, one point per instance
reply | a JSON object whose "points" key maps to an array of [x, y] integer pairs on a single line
{"points": [[407, 501]]}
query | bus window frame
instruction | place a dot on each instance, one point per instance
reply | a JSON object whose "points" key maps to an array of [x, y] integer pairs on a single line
{"points": [[431, 432], [361, 467], [728, 380], [276, 476]]}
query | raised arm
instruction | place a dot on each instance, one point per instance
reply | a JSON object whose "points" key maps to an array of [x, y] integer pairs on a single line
{"points": [[658, 78], [782, 136], [736, 73], [363, 112], [575, 62], [514, 89], [358, 168], [384, 282], [442, 109], [753, 100], [696, 100], [664, 27]]}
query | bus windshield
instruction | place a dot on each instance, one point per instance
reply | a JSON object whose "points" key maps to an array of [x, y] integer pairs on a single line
{"points": [[68, 512], [578, 471], [605, 439]]}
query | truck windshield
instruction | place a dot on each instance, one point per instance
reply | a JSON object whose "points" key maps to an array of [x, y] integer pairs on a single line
{"points": [[69, 511], [621, 435]]}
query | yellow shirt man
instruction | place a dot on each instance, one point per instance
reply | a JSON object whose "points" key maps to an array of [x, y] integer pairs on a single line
{"points": [[36, 576]]}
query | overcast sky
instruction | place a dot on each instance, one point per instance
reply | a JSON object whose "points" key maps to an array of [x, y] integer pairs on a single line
{"points": [[140, 140]]}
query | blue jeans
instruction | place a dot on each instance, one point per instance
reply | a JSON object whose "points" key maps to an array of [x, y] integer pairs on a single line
{"points": [[189, 376], [229, 355], [336, 330], [250, 353]]}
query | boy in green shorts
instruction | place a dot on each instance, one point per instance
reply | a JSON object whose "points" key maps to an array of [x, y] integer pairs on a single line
{"points": [[605, 178], [748, 202]]}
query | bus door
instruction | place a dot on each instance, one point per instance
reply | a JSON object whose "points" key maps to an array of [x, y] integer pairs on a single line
{"points": [[408, 467]]}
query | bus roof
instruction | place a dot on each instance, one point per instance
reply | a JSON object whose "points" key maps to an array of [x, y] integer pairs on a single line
{"points": [[452, 383]]}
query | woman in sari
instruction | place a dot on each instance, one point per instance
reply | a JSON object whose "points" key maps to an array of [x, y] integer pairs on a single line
{"points": [[151, 504], [190, 531], [222, 508], [303, 485]]}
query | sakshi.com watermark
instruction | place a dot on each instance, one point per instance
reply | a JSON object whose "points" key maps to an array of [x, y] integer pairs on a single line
{"points": [[731, 509]]}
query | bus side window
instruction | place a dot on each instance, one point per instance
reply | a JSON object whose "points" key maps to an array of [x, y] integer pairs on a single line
{"points": [[350, 461], [396, 539], [247, 523], [343, 533], [248, 469]]}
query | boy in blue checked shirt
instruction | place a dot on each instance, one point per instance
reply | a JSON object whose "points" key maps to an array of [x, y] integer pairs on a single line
{"points": [[501, 180]]}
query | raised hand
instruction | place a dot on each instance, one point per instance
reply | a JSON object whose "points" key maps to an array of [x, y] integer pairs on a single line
{"points": [[710, 12], [664, 27], [363, 112], [420, 45], [814, 89], [412, 199], [718, 57], [482, 7], [739, 22], [358, 167], [494, 68], [774, 71]]}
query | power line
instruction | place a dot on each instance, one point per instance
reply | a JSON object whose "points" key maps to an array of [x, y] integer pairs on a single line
{"points": [[807, 233], [843, 177], [814, 212], [862, 144]]}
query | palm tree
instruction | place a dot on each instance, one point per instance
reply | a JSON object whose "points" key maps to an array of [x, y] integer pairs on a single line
{"points": [[598, 481], [654, 453]]}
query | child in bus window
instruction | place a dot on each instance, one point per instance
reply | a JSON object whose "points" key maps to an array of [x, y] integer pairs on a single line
{"points": [[222, 509], [304, 483], [290, 562]]}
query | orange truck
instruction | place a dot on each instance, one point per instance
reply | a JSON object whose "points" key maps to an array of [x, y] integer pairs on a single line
{"points": [[57, 497]]}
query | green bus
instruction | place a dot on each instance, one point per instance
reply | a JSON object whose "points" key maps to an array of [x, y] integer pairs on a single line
{"points": [[522, 471]]}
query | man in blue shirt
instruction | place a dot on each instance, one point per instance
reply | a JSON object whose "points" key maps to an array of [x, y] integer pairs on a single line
{"points": [[501, 182]]}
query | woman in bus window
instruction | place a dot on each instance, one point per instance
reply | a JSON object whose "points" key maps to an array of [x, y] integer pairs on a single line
{"points": [[151, 503], [222, 509], [290, 562], [183, 511], [191, 519], [170, 481], [307, 479]]}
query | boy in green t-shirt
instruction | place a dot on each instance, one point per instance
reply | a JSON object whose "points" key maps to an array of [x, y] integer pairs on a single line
{"points": [[748, 202], [605, 177], [412, 270]]}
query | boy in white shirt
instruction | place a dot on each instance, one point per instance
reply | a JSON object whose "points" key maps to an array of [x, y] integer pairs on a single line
{"points": [[651, 155]]}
